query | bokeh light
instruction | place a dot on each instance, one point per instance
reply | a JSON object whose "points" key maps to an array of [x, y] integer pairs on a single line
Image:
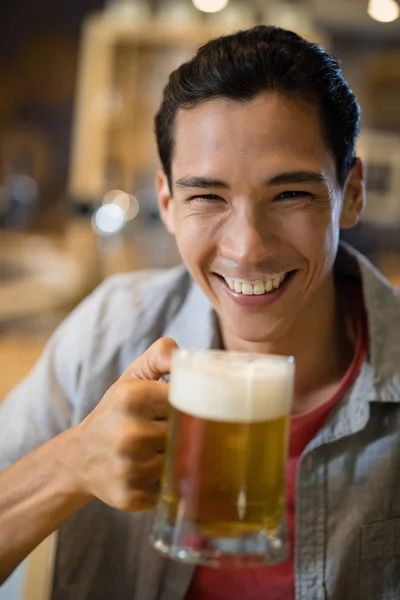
{"points": [[384, 11], [108, 219], [210, 6]]}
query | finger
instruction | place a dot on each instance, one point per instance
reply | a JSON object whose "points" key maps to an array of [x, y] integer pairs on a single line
{"points": [[141, 439], [146, 400], [146, 475], [154, 363]]}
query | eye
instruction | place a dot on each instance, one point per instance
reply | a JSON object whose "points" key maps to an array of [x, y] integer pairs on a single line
{"points": [[211, 198], [295, 195], [289, 195]]}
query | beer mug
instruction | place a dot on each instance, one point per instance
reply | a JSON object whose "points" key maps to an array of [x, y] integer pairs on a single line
{"points": [[222, 500]]}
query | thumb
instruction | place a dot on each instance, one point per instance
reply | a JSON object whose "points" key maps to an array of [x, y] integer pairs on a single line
{"points": [[154, 363]]}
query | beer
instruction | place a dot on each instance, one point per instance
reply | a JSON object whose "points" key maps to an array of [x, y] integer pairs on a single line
{"points": [[227, 444], [214, 467]]}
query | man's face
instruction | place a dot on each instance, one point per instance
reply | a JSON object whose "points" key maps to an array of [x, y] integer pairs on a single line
{"points": [[256, 210]]}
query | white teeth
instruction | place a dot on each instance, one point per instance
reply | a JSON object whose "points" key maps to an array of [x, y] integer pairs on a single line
{"points": [[268, 285], [258, 288], [247, 289], [277, 282]]}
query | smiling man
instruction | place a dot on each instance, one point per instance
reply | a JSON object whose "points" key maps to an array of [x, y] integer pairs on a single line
{"points": [[256, 136], [255, 201]]}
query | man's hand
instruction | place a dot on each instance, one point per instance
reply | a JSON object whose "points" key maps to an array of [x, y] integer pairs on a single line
{"points": [[116, 454], [119, 447]]}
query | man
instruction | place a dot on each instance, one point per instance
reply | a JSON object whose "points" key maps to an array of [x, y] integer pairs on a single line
{"points": [[256, 136]]}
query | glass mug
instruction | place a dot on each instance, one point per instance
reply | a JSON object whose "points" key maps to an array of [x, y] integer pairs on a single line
{"points": [[222, 500]]}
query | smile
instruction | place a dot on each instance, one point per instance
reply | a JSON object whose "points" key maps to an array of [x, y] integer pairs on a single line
{"points": [[258, 288]]}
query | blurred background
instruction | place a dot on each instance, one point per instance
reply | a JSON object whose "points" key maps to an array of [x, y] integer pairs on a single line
{"points": [[80, 81]]}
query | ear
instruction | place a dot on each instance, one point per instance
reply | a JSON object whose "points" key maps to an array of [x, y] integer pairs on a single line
{"points": [[165, 201], [354, 196]]}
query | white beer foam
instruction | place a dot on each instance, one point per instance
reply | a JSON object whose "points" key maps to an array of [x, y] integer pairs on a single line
{"points": [[248, 394]]}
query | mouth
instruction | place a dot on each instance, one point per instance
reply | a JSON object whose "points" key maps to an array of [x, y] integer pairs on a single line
{"points": [[256, 294], [257, 288]]}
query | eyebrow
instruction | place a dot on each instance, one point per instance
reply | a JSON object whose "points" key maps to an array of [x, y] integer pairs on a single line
{"points": [[200, 182], [297, 177], [282, 179]]}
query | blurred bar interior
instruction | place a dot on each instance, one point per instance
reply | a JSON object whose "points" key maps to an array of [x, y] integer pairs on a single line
{"points": [[80, 81]]}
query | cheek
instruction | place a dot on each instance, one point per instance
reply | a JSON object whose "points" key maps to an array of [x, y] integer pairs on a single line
{"points": [[313, 234], [196, 238]]}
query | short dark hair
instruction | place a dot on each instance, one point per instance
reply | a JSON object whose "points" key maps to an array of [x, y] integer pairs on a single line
{"points": [[242, 65]]}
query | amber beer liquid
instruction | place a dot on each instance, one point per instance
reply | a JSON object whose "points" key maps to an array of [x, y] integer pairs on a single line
{"points": [[223, 494]]}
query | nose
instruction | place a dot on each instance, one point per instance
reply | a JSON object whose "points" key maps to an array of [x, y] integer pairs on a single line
{"points": [[248, 238]]}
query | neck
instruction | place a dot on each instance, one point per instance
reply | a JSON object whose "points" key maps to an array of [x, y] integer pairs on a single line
{"points": [[319, 344]]}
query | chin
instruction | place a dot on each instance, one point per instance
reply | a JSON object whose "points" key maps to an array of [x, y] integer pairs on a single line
{"points": [[256, 333]]}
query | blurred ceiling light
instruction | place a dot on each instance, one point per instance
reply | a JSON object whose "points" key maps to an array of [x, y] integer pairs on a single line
{"points": [[123, 200], [210, 6], [126, 202], [384, 11], [117, 197], [133, 209], [108, 219]]}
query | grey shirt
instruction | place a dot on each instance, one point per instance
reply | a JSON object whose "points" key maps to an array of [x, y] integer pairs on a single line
{"points": [[348, 479]]}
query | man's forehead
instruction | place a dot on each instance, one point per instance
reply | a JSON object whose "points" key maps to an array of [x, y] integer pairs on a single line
{"points": [[268, 128], [265, 110]]}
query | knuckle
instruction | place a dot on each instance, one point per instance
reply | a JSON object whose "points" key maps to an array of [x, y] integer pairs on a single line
{"points": [[131, 439], [140, 439], [151, 468], [143, 476], [134, 397], [140, 442]]}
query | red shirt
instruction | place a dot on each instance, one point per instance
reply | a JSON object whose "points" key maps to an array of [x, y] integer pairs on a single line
{"points": [[276, 582]]}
